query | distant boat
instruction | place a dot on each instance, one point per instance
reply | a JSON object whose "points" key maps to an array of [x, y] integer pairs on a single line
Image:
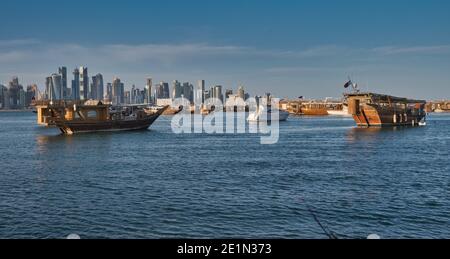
{"points": [[261, 114], [440, 110], [340, 110], [314, 109], [167, 112], [380, 110], [443, 107]]}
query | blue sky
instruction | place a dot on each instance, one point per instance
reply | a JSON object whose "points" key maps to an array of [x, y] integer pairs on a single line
{"points": [[289, 48]]}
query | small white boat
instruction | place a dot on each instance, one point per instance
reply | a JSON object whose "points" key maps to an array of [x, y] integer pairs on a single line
{"points": [[268, 115], [342, 112]]}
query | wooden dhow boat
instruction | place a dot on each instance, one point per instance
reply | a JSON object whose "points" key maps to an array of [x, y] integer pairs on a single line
{"points": [[73, 118], [380, 110]]}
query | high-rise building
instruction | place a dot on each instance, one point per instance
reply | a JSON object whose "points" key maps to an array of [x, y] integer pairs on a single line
{"points": [[188, 91], [137, 96], [162, 91], [57, 86], [166, 90], [97, 87], [31, 94], [241, 93], [218, 92], [177, 89], [76, 85], [84, 83], [63, 72], [158, 91], [228, 92], [148, 91], [3, 93], [93, 90], [118, 91], [207, 95], [15, 95], [22, 98], [108, 96], [49, 93], [200, 92], [127, 98]]}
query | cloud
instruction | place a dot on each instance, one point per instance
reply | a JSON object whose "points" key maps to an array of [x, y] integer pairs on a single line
{"points": [[18, 42], [130, 53], [390, 50], [13, 56]]}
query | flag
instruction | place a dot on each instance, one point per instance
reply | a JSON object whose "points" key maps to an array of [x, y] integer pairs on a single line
{"points": [[348, 84], [300, 97]]}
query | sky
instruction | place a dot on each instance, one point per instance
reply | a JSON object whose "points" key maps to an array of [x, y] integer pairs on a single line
{"points": [[288, 48]]}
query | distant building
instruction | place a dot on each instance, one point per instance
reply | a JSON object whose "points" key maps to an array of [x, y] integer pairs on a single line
{"points": [[228, 92], [63, 72], [162, 91], [48, 92], [84, 83], [31, 94], [108, 96], [200, 92], [148, 91], [127, 98], [76, 85], [97, 89], [14, 95], [177, 89], [207, 95], [241, 93], [217, 92], [188, 91], [57, 85], [118, 92], [53, 87], [137, 96], [3, 92], [166, 90]]}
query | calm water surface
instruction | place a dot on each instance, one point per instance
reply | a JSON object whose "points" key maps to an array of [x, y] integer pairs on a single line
{"points": [[155, 184]]}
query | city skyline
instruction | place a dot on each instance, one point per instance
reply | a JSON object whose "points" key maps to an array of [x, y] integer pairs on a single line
{"points": [[301, 48]]}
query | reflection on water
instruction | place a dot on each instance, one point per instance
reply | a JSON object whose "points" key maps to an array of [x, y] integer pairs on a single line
{"points": [[374, 134]]}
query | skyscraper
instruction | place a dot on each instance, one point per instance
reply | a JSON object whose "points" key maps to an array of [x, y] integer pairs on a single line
{"points": [[76, 85], [57, 86], [228, 92], [127, 98], [49, 93], [84, 83], [3, 93], [135, 95], [63, 72], [163, 91], [108, 92], [207, 95], [148, 91], [200, 92], [241, 92], [15, 96], [32, 93], [177, 89], [218, 92], [97, 87], [118, 91], [166, 90], [188, 91]]}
